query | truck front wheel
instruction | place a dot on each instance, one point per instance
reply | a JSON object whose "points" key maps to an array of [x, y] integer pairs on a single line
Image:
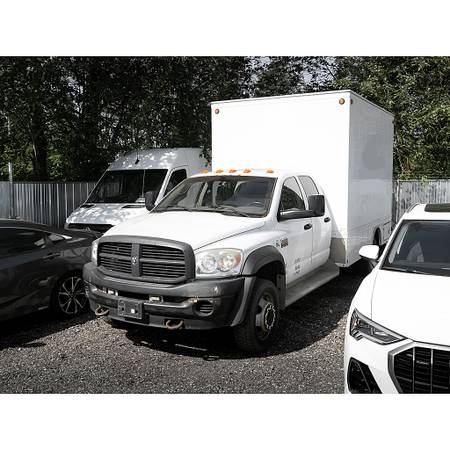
{"points": [[258, 329]]}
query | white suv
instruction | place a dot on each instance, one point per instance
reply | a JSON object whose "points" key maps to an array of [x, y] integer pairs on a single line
{"points": [[398, 335]]}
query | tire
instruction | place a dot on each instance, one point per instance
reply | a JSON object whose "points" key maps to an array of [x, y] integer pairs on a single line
{"points": [[260, 325], [69, 298]]}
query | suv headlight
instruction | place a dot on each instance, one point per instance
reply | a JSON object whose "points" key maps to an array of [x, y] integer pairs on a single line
{"points": [[224, 262], [94, 251], [361, 326]]}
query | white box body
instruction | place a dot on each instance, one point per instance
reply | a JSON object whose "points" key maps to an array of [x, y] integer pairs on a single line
{"points": [[342, 140]]}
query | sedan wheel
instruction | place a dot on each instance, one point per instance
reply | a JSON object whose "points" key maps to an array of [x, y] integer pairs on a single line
{"points": [[70, 296]]}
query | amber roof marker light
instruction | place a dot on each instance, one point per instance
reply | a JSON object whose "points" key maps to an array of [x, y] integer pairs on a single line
{"points": [[219, 171], [269, 171], [247, 170]]}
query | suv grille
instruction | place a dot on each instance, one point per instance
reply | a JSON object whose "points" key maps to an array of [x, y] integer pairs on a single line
{"points": [[423, 370], [157, 263]]}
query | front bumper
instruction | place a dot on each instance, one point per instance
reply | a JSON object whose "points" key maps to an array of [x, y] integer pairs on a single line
{"points": [[201, 304]]}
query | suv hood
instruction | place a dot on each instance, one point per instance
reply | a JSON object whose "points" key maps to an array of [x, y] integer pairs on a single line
{"points": [[413, 305], [195, 228], [106, 213]]}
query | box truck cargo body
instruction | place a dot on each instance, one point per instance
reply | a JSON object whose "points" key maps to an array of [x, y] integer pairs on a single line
{"points": [[339, 138]]}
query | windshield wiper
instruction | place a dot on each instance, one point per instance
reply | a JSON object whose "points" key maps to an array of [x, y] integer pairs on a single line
{"points": [[405, 270], [174, 208], [231, 209]]}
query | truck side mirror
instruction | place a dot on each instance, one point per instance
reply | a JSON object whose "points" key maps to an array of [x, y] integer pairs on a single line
{"points": [[294, 214], [317, 204], [150, 199], [370, 252]]}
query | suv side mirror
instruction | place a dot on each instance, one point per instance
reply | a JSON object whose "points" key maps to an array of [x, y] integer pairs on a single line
{"points": [[150, 199], [370, 252], [317, 204]]}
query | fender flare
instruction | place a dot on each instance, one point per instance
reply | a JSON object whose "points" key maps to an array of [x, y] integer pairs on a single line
{"points": [[254, 262], [261, 257]]}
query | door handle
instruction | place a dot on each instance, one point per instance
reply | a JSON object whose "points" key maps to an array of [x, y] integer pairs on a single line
{"points": [[308, 226], [51, 256], [327, 219]]}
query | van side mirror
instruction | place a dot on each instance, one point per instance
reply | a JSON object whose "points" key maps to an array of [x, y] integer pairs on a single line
{"points": [[317, 204], [150, 199], [370, 252]]}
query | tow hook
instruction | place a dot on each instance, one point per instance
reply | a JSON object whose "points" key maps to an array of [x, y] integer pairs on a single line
{"points": [[100, 311], [172, 324]]}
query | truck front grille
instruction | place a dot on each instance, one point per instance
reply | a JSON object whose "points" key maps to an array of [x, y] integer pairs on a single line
{"points": [[150, 262], [423, 370]]}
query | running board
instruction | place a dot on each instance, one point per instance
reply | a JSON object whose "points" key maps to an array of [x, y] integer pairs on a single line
{"points": [[312, 281]]}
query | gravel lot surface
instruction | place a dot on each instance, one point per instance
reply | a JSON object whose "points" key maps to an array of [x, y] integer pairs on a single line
{"points": [[39, 354]]}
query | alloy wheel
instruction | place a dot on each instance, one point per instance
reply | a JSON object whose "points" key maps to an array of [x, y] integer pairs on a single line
{"points": [[71, 296]]}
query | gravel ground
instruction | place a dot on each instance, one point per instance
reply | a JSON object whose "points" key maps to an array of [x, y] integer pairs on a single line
{"points": [[39, 354]]}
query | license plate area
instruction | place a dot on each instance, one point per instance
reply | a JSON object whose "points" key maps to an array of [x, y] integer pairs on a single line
{"points": [[129, 308]]}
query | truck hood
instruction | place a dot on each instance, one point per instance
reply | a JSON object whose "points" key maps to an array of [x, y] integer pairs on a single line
{"points": [[105, 213], [413, 305], [195, 228]]}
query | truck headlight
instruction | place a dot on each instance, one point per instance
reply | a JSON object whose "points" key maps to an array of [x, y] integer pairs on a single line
{"points": [[224, 262], [361, 326], [94, 251]]}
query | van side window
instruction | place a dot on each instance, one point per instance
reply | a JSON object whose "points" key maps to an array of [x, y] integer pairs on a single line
{"points": [[176, 178], [308, 185], [291, 197]]}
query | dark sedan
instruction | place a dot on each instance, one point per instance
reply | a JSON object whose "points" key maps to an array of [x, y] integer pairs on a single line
{"points": [[40, 267]]}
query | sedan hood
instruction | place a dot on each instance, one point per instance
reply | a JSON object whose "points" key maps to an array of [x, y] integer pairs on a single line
{"points": [[106, 213], [413, 305], [195, 228]]}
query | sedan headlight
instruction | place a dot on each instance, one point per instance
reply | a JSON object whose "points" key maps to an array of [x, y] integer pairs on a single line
{"points": [[361, 326], [94, 251], [224, 262]]}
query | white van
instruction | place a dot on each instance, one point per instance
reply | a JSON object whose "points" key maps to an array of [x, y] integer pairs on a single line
{"points": [[119, 194]]}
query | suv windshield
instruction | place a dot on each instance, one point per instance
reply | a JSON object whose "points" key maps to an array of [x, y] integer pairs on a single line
{"points": [[421, 247], [126, 186], [235, 195]]}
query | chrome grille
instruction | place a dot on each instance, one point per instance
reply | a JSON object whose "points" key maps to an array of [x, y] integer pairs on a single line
{"points": [[151, 262], [423, 370]]}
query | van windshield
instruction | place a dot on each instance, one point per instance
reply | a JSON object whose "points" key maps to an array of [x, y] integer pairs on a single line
{"points": [[233, 195], [421, 247], [126, 186]]}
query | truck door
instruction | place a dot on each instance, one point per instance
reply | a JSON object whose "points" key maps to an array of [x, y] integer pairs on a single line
{"points": [[321, 229], [296, 245]]}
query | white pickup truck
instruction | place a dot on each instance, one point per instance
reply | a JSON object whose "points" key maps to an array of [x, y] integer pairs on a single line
{"points": [[235, 246]]}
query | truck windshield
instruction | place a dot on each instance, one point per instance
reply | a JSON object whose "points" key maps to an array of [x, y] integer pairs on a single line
{"points": [[421, 247], [126, 186], [234, 195]]}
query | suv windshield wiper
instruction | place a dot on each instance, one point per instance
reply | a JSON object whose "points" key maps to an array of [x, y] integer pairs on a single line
{"points": [[403, 269]]}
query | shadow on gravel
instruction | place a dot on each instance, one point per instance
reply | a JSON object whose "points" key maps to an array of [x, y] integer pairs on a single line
{"points": [[23, 331], [302, 324]]}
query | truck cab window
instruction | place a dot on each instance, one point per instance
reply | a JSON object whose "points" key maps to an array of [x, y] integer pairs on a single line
{"points": [[291, 197], [308, 185], [176, 178]]}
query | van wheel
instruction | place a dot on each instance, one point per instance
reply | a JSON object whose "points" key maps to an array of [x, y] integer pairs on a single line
{"points": [[258, 330], [68, 297]]}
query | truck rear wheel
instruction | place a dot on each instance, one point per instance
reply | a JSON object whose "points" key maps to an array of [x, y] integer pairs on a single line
{"points": [[258, 330]]}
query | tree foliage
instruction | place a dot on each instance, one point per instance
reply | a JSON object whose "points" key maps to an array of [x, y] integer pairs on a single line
{"points": [[67, 118]]}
